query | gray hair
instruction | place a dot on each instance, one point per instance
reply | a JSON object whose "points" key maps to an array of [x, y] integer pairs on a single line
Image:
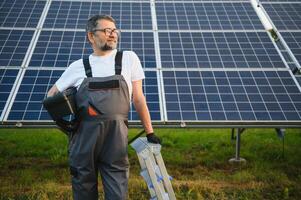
{"points": [[93, 22]]}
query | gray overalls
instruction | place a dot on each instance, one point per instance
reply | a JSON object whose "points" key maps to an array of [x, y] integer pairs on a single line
{"points": [[100, 143]]}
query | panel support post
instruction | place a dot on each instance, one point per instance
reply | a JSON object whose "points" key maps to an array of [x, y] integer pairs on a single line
{"points": [[237, 158]]}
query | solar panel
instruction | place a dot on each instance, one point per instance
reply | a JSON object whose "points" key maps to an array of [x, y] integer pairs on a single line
{"points": [[285, 16], [7, 79], [150, 88], [13, 46], [218, 50], [74, 14], [207, 16], [231, 96], [143, 45], [61, 48], [27, 105], [293, 40], [21, 13]]}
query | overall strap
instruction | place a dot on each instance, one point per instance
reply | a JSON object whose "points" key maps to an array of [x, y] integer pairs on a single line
{"points": [[87, 67], [118, 63]]}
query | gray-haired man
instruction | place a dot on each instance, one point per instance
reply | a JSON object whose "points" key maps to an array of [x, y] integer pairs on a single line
{"points": [[106, 83]]}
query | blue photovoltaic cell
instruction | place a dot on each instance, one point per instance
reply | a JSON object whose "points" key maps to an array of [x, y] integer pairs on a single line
{"points": [[293, 40], [35, 84], [13, 46], [21, 13], [218, 50], [74, 14], [285, 16], [299, 79], [231, 95], [207, 16], [7, 79], [61, 48]]}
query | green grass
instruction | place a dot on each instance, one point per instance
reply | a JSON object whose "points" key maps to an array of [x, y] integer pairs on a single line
{"points": [[33, 165]]}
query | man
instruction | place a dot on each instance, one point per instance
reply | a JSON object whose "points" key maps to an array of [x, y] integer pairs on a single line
{"points": [[103, 101]]}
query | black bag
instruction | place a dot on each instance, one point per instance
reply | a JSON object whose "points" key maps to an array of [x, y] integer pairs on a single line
{"points": [[61, 105]]}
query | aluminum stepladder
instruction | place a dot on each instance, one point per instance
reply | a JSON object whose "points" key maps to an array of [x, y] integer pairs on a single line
{"points": [[153, 169]]}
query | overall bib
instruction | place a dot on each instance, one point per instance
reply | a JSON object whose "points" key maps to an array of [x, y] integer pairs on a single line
{"points": [[100, 143]]}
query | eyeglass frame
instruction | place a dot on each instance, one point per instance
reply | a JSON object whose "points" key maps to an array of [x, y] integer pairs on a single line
{"points": [[105, 31]]}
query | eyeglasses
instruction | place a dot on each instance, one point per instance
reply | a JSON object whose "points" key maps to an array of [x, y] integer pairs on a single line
{"points": [[108, 31]]}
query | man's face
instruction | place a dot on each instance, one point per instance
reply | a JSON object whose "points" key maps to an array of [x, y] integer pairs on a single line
{"points": [[105, 40]]}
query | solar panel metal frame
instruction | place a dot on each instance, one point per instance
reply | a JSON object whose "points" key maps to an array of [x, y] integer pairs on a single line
{"points": [[12, 88], [280, 22], [193, 14], [284, 49], [286, 35]]}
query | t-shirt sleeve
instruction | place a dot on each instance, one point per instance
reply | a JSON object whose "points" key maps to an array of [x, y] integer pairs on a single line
{"points": [[137, 70], [70, 76]]}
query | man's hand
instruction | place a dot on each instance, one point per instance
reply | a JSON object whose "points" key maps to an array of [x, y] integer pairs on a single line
{"points": [[152, 138]]}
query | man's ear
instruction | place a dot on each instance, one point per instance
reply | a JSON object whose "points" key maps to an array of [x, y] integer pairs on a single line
{"points": [[90, 37]]}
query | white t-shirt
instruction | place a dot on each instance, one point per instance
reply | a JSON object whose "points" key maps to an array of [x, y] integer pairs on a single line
{"points": [[102, 66]]}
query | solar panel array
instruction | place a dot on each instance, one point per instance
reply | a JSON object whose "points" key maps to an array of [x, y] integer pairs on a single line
{"points": [[206, 62]]}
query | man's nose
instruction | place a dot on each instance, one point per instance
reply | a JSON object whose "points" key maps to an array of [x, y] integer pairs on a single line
{"points": [[112, 35]]}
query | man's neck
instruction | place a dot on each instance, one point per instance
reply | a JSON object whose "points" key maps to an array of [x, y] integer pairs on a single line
{"points": [[102, 53]]}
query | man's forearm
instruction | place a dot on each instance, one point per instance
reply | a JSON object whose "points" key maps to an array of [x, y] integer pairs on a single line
{"points": [[53, 90], [143, 112]]}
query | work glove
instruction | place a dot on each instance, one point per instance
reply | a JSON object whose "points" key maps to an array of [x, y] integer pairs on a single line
{"points": [[152, 138]]}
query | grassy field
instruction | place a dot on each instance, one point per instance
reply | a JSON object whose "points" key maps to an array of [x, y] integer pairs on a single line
{"points": [[33, 165]]}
